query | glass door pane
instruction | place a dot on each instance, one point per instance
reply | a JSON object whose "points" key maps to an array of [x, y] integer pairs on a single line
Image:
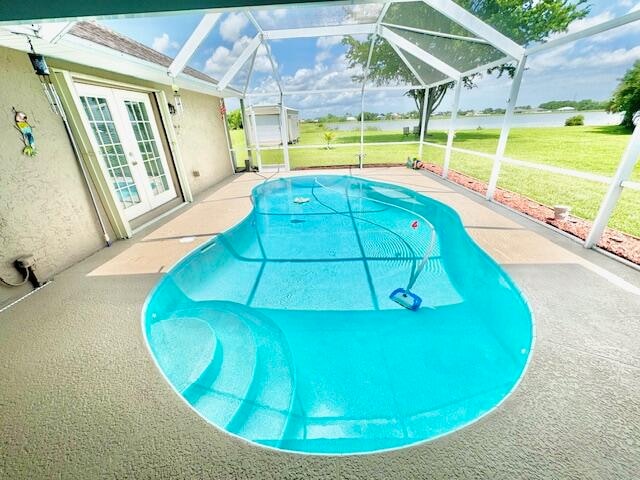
{"points": [[139, 118], [111, 149]]}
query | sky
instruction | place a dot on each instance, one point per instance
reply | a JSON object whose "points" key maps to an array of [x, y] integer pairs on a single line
{"points": [[589, 68]]}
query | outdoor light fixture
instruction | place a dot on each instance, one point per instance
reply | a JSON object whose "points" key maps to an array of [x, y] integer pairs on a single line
{"points": [[177, 100]]}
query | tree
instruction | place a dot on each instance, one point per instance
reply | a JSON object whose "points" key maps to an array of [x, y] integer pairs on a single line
{"points": [[626, 97], [524, 22], [234, 119], [586, 104]]}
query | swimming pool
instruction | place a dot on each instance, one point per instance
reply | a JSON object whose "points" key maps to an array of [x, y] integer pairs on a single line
{"points": [[281, 330]]}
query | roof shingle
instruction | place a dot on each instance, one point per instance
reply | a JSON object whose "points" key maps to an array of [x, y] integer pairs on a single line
{"points": [[96, 33]]}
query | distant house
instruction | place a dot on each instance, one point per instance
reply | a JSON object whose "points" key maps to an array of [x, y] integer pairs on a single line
{"points": [[352, 119], [566, 109], [380, 117]]}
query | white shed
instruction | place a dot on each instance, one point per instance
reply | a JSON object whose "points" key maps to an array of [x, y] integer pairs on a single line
{"points": [[266, 119]]}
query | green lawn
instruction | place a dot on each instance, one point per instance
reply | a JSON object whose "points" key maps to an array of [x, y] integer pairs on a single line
{"points": [[590, 149]]}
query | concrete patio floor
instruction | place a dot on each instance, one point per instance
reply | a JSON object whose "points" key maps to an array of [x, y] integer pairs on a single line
{"points": [[81, 398]]}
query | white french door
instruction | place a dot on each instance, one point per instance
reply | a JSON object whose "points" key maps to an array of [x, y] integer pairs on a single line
{"points": [[127, 139]]}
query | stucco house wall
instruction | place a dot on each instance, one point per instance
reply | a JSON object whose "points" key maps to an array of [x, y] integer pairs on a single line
{"points": [[202, 139], [45, 207]]}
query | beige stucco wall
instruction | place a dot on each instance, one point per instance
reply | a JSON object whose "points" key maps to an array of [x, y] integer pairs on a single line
{"points": [[201, 137], [44, 204]]}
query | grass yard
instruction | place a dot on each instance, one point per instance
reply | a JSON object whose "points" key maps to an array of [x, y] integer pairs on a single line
{"points": [[590, 149]]}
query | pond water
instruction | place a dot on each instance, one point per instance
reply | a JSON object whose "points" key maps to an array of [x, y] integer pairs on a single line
{"points": [[555, 119]]}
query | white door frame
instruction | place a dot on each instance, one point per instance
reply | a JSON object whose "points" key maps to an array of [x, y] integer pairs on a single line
{"points": [[116, 96]]}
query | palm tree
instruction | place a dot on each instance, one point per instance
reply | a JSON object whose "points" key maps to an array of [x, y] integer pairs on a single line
{"points": [[328, 137]]}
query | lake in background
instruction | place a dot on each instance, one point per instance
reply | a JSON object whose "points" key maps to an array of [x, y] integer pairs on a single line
{"points": [[555, 119]]}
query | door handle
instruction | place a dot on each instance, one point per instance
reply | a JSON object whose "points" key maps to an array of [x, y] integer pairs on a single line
{"points": [[133, 162]]}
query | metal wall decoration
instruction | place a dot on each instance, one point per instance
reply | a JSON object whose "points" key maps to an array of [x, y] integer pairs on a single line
{"points": [[27, 133]]}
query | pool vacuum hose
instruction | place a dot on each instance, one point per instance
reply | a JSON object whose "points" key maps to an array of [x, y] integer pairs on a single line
{"points": [[404, 296]]}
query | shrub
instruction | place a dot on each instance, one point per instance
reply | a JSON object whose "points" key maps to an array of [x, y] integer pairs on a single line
{"points": [[574, 121], [234, 119]]}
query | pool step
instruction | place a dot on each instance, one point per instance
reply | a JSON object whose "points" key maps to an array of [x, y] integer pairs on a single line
{"points": [[184, 348], [264, 413], [223, 385], [248, 386]]}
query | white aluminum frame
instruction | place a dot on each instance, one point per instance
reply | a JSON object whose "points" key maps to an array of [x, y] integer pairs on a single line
{"points": [[284, 132], [198, 35], [240, 61], [79, 50], [587, 32], [328, 31], [506, 127], [625, 168], [416, 51], [472, 23], [434, 33], [452, 128]]}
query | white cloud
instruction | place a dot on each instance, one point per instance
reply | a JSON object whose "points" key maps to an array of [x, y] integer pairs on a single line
{"points": [[364, 13], [615, 58], [588, 22], [164, 44], [324, 44], [602, 50], [262, 62], [269, 18], [322, 56], [550, 59], [604, 16], [328, 42], [232, 26], [322, 76], [223, 58]]}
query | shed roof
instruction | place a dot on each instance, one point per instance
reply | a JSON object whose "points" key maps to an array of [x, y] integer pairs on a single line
{"points": [[271, 109]]}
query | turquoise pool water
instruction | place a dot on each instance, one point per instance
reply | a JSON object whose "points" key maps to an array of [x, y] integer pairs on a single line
{"points": [[281, 330]]}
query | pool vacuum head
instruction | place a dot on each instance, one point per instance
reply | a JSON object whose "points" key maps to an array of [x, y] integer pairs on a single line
{"points": [[406, 299]]}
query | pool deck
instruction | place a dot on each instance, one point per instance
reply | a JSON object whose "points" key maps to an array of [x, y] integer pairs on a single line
{"points": [[82, 398]]}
